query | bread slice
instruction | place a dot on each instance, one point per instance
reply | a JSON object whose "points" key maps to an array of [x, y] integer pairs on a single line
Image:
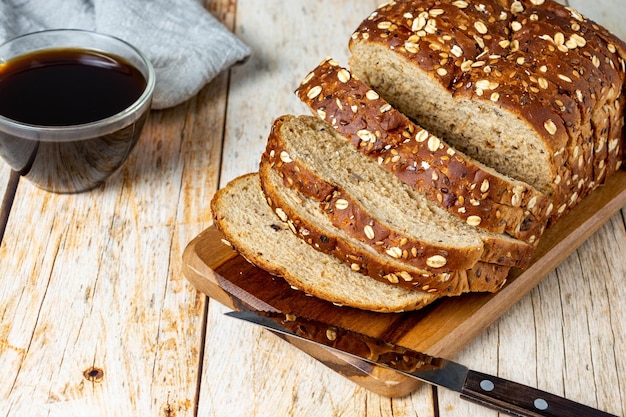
{"points": [[308, 221], [241, 213], [461, 185], [374, 206], [531, 89]]}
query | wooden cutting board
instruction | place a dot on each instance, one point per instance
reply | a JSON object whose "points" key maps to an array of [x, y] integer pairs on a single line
{"points": [[441, 329]]}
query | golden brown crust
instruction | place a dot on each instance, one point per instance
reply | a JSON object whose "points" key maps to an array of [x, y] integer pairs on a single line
{"points": [[347, 214], [538, 60], [454, 181], [482, 277]]}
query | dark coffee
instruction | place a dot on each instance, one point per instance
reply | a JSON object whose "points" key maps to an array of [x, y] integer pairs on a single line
{"points": [[65, 87], [62, 87]]}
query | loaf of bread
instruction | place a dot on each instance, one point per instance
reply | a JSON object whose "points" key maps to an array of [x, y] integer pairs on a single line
{"points": [[530, 88], [248, 224], [309, 222], [461, 131], [465, 187]]}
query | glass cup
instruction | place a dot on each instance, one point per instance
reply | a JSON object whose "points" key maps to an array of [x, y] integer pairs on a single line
{"points": [[73, 157]]}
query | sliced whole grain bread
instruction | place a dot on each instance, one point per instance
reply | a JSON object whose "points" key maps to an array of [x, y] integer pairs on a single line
{"points": [[522, 109], [308, 220], [530, 88], [463, 186], [241, 213], [377, 208]]}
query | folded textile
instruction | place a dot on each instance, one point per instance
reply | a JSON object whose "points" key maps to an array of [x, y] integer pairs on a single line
{"points": [[187, 46]]}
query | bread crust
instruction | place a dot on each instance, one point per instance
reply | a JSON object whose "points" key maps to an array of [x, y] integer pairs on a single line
{"points": [[482, 277], [355, 219], [455, 181], [534, 60]]}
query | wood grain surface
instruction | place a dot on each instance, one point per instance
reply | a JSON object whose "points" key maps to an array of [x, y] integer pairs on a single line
{"points": [[97, 319], [442, 329], [95, 315]]}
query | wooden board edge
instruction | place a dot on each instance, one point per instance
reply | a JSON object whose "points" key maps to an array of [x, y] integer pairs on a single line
{"points": [[379, 380], [199, 274]]}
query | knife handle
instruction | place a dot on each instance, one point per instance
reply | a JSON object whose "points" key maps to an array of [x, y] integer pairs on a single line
{"points": [[521, 400]]}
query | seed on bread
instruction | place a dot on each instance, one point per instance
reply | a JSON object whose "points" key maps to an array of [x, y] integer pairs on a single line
{"points": [[285, 157], [392, 278], [556, 54], [474, 221], [484, 187], [395, 252], [436, 261], [314, 92], [434, 143], [341, 204], [406, 276], [372, 136], [421, 136], [331, 334], [480, 27], [372, 95], [344, 76], [281, 214]]}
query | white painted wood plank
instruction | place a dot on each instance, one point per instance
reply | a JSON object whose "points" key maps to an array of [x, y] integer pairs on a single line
{"points": [[247, 371], [288, 40], [7, 186], [5, 172], [96, 318], [89, 291]]}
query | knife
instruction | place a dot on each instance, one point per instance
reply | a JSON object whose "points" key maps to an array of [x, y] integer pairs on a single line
{"points": [[490, 391]]}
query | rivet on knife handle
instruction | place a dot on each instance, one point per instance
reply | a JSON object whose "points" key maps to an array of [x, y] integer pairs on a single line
{"points": [[521, 400]]}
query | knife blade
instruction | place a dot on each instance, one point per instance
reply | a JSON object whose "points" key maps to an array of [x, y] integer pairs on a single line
{"points": [[488, 390]]}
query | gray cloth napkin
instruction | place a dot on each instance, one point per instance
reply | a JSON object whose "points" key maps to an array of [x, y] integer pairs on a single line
{"points": [[187, 46]]}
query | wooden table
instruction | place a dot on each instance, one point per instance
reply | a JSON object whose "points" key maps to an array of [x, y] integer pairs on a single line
{"points": [[97, 319]]}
